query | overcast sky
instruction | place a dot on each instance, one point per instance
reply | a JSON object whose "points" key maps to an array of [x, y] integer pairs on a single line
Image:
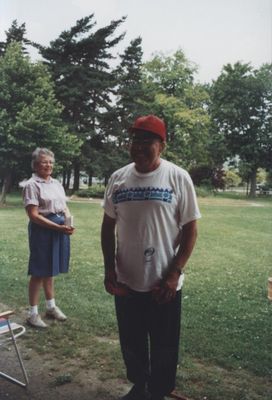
{"points": [[210, 32]]}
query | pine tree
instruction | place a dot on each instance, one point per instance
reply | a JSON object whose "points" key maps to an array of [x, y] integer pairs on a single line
{"points": [[130, 91], [79, 62], [16, 33]]}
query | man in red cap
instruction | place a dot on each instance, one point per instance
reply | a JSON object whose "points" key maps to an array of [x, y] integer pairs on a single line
{"points": [[148, 234]]}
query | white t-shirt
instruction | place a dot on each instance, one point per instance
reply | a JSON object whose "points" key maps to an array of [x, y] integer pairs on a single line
{"points": [[49, 196], [150, 210]]}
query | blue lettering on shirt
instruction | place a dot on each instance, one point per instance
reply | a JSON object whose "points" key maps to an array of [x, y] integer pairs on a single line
{"points": [[142, 193]]}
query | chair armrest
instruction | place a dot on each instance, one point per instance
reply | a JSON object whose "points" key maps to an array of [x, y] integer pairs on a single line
{"points": [[6, 314]]}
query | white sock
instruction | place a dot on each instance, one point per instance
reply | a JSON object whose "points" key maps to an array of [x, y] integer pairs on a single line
{"points": [[33, 310], [50, 304]]}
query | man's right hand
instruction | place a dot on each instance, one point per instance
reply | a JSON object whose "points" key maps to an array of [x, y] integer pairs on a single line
{"points": [[112, 286]]}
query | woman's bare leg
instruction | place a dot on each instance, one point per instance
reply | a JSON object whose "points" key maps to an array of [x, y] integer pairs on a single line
{"points": [[34, 287], [48, 287]]}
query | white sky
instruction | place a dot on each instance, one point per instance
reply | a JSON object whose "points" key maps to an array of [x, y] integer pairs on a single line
{"points": [[212, 33]]}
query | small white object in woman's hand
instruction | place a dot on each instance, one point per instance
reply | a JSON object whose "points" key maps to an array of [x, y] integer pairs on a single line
{"points": [[69, 220]]}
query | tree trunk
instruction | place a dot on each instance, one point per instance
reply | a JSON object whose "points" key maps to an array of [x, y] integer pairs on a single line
{"points": [[64, 178], [6, 187], [76, 176], [68, 179], [253, 180], [90, 180]]}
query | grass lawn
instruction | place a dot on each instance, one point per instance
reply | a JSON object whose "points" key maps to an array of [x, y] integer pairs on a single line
{"points": [[226, 347]]}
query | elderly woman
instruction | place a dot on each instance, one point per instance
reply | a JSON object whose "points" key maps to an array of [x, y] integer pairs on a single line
{"points": [[49, 241]]}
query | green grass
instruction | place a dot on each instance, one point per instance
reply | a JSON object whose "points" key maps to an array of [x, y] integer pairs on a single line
{"points": [[226, 350]]}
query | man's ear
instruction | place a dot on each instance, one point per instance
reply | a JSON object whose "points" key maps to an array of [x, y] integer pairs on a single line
{"points": [[163, 146]]}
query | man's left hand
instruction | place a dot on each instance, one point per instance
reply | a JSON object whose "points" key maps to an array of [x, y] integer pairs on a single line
{"points": [[165, 291]]}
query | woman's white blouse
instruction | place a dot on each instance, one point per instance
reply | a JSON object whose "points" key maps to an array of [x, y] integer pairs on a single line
{"points": [[49, 196]]}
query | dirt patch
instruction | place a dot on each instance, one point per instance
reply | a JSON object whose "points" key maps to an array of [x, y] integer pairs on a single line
{"points": [[51, 378], [58, 379]]}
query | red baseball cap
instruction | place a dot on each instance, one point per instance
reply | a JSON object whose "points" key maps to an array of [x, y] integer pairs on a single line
{"points": [[150, 123]]}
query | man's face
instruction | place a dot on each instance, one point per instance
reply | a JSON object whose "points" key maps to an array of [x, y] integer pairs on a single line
{"points": [[145, 150]]}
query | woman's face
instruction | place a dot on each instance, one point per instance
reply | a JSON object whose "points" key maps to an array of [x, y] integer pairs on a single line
{"points": [[44, 166]]}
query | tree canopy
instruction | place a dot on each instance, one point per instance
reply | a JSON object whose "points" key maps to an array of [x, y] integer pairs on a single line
{"points": [[30, 115], [79, 61], [82, 98], [16, 33], [241, 107], [170, 92]]}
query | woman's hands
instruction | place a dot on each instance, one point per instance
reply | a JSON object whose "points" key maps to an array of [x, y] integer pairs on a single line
{"points": [[68, 230], [39, 219]]}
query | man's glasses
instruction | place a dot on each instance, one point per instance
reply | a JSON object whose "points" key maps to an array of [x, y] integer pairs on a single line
{"points": [[142, 141]]}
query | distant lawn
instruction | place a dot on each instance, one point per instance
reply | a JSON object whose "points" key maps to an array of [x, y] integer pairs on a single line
{"points": [[226, 351]]}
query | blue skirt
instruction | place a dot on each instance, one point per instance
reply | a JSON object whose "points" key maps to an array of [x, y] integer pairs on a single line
{"points": [[49, 249]]}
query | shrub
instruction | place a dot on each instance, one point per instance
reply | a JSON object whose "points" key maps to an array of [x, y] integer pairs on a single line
{"points": [[96, 191], [232, 179], [204, 191], [204, 175]]}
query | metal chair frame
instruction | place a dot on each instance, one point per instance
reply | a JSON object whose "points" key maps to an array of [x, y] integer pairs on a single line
{"points": [[10, 331]]}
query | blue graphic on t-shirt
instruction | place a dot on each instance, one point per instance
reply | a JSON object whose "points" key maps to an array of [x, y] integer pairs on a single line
{"points": [[142, 193]]}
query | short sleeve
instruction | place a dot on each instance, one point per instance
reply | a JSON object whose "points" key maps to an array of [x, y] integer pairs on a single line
{"points": [[108, 204], [189, 210], [30, 195]]}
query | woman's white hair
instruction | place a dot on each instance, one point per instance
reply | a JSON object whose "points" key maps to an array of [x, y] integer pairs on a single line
{"points": [[38, 152]]}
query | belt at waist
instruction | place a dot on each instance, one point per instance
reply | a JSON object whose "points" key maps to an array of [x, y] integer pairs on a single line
{"points": [[58, 214]]}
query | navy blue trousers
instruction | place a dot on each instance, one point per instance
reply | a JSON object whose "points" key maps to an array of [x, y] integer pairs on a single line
{"points": [[149, 337]]}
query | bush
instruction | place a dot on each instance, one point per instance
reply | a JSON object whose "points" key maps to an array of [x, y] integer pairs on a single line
{"points": [[204, 175], [96, 191], [204, 191], [232, 179]]}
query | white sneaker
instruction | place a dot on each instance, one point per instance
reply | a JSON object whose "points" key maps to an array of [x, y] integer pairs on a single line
{"points": [[36, 321], [56, 313]]}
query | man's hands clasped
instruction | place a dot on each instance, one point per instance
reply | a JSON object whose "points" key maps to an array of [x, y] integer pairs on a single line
{"points": [[162, 293]]}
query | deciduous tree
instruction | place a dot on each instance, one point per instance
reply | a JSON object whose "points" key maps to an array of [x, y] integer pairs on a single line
{"points": [[171, 93], [30, 116], [241, 107]]}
